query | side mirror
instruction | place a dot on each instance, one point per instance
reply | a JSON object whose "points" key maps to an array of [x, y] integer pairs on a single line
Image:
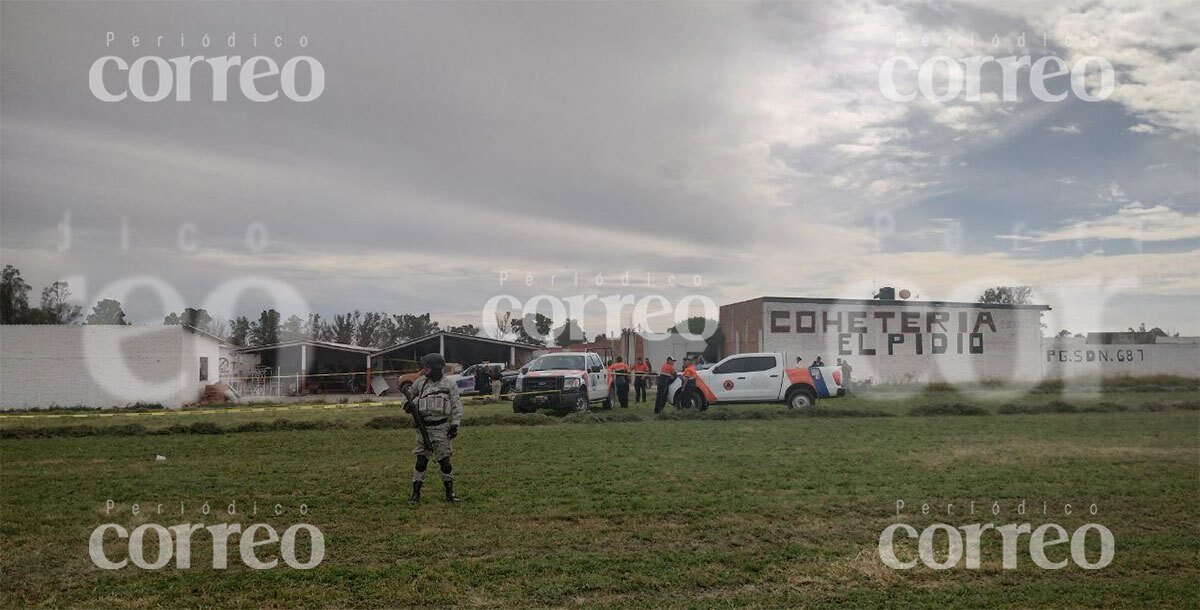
{"points": [[595, 369], [524, 371]]}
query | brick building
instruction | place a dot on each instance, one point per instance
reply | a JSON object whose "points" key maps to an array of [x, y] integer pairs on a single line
{"points": [[893, 341]]}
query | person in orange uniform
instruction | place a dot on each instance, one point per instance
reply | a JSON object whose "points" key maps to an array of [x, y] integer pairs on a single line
{"points": [[641, 376], [666, 376], [620, 372], [689, 384]]}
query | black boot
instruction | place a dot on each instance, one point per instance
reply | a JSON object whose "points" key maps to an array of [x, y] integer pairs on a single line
{"points": [[450, 497], [416, 494]]}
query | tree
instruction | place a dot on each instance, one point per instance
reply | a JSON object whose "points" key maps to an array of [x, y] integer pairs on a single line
{"points": [[239, 331], [569, 334], [1063, 334], [196, 318], [1007, 295], [107, 311], [292, 329], [465, 329], [368, 327], [55, 306], [1154, 332], [503, 325], [265, 330], [14, 297], [343, 327], [412, 326], [315, 329], [540, 323]]}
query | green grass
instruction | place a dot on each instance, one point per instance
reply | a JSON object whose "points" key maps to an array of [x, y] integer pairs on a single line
{"points": [[763, 512]]}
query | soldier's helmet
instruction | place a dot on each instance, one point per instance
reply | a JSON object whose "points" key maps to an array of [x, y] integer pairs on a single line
{"points": [[433, 361]]}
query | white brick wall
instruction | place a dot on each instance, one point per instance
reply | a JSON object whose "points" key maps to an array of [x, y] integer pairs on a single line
{"points": [[102, 366], [1010, 352]]}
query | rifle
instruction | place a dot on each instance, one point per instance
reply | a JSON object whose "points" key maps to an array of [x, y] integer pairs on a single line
{"points": [[418, 421]]}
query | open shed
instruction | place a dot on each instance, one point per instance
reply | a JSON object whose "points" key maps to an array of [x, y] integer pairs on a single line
{"points": [[454, 347], [312, 366]]}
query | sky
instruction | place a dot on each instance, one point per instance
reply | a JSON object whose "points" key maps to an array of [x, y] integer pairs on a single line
{"points": [[732, 149]]}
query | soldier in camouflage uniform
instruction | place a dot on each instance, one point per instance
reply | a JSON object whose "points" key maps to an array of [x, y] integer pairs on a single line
{"points": [[440, 407]]}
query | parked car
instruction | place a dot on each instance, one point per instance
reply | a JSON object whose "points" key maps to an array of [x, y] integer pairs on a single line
{"points": [[761, 377], [465, 381], [405, 380], [565, 381]]}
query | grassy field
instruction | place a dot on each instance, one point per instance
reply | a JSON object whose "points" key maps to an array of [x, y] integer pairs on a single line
{"points": [[766, 512]]}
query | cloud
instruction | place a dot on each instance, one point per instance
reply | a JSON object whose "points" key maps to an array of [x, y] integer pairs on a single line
{"points": [[1133, 221], [1151, 45], [1069, 128], [736, 141]]}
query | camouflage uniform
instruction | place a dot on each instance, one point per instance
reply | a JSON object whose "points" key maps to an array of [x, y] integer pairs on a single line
{"points": [[440, 408]]}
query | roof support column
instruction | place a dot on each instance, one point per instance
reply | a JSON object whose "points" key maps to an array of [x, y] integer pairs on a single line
{"points": [[303, 365]]}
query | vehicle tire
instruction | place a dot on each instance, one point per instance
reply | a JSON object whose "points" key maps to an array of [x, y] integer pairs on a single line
{"points": [[522, 406], [697, 401], [801, 399], [608, 401], [581, 403]]}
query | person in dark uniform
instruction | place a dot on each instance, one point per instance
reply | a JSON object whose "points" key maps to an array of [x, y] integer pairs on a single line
{"points": [[641, 372], [483, 381], [689, 384], [620, 372], [666, 376], [846, 370]]}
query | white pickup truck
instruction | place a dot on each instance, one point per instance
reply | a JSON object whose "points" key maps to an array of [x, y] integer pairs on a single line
{"points": [[761, 377]]}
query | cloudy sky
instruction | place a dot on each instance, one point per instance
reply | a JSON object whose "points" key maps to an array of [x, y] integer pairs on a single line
{"points": [[747, 144]]}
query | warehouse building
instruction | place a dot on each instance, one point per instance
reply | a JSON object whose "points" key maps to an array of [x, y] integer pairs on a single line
{"points": [[46, 366], [894, 341]]}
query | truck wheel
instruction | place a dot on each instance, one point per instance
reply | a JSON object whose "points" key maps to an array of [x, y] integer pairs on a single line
{"points": [[581, 403], [523, 406], [801, 399], [608, 401]]}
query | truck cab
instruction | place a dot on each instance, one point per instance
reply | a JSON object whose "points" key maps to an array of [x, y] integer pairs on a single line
{"points": [[761, 377], [563, 381]]}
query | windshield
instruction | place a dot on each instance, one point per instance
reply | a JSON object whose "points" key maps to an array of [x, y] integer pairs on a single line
{"points": [[557, 362]]}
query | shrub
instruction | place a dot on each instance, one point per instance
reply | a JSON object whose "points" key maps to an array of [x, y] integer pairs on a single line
{"points": [[742, 414], [601, 417], [953, 408], [939, 386], [388, 422]]}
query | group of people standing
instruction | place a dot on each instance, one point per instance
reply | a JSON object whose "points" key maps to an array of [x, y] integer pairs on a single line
{"points": [[844, 365], [487, 379], [640, 376]]}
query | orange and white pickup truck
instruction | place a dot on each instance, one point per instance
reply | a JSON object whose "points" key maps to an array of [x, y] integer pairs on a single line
{"points": [[762, 377]]}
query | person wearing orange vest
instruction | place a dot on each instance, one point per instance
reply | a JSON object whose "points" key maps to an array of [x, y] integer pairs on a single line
{"points": [[666, 376], [641, 372], [620, 372], [689, 384]]}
